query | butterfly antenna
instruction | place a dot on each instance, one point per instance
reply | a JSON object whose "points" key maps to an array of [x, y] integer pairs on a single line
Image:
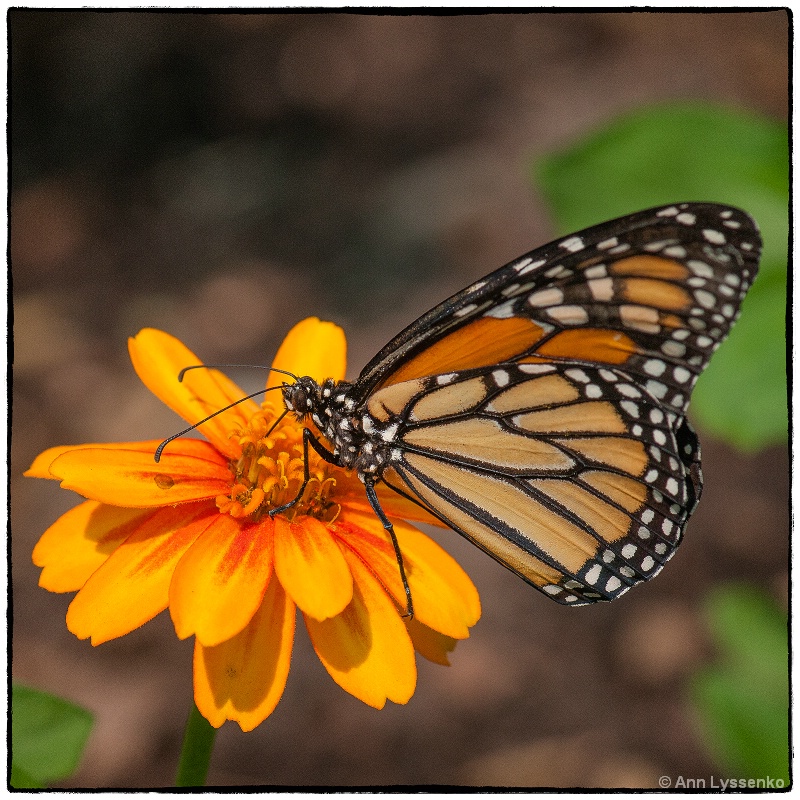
{"points": [[275, 424], [229, 366], [160, 448]]}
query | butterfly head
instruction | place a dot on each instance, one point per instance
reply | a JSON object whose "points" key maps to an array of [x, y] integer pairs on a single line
{"points": [[301, 397], [328, 404]]}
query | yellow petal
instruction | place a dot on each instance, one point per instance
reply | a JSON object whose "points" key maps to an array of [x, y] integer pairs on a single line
{"points": [[132, 586], [131, 478], [77, 543], [41, 464], [312, 348], [219, 583], [444, 597], [243, 679], [430, 644], [366, 649], [158, 359], [395, 506], [311, 567]]}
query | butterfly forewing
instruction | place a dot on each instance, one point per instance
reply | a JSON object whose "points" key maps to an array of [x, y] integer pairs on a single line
{"points": [[653, 294]]}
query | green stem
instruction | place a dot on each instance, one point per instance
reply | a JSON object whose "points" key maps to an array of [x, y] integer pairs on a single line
{"points": [[198, 743]]}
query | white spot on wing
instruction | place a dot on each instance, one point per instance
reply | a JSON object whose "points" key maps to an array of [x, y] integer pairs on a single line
{"points": [[657, 389], [654, 367], [620, 248], [500, 377], [573, 244], [593, 392], [601, 288], [523, 268], [388, 434], [546, 297], [503, 311], [569, 315], [593, 575], [700, 268], [468, 309], [535, 369], [674, 349], [597, 271], [715, 237], [706, 299], [577, 375]]}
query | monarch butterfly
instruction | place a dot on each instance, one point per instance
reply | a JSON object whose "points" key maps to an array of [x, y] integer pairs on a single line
{"points": [[541, 411]]}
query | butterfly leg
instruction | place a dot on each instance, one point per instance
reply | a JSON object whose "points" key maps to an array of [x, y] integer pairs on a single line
{"points": [[372, 496], [325, 455], [369, 484]]}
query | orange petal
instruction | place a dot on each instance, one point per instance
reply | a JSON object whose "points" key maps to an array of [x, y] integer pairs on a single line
{"points": [[158, 358], [219, 583], [394, 505], [131, 478], [366, 649], [429, 643], [444, 597], [132, 586], [365, 536], [41, 464], [77, 543], [243, 679], [311, 567], [314, 348]]}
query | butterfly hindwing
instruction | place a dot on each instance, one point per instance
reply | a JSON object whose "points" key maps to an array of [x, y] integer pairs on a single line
{"points": [[571, 476]]}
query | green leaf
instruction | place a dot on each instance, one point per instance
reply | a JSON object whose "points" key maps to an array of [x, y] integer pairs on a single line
{"points": [[749, 370], [746, 731], [696, 152], [48, 735], [743, 703], [21, 780]]}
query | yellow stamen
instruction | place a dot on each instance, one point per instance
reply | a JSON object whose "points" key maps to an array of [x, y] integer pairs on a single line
{"points": [[271, 470]]}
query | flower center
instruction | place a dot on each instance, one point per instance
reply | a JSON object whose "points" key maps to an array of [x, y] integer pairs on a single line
{"points": [[269, 472]]}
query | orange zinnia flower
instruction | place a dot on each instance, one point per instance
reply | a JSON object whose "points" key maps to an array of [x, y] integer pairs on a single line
{"points": [[192, 534]]}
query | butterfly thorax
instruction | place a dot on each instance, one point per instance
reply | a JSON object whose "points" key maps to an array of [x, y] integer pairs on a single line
{"points": [[356, 441]]}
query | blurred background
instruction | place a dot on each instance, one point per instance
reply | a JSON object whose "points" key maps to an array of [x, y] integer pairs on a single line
{"points": [[221, 176]]}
